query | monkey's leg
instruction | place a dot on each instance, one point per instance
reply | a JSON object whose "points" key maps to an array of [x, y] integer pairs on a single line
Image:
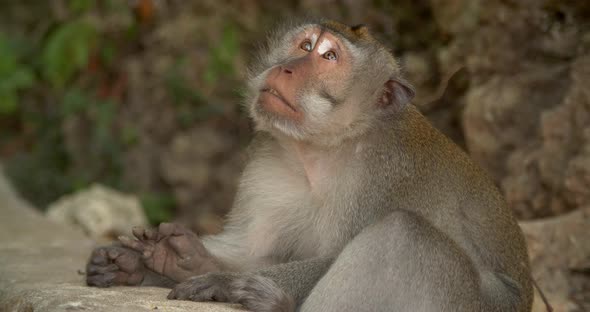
{"points": [[276, 288], [401, 263], [117, 265]]}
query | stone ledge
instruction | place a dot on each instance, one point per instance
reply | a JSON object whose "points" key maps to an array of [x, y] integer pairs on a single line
{"points": [[40, 263]]}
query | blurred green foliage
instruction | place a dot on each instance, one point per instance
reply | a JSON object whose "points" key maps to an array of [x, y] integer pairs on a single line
{"points": [[158, 207], [16, 75], [66, 50], [77, 75], [190, 104], [223, 55], [48, 80]]}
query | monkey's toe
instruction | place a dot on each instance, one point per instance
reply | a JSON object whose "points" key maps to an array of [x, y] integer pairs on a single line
{"points": [[258, 293], [101, 280], [208, 287]]}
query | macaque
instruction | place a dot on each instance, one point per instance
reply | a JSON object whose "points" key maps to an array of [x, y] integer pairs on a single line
{"points": [[350, 200]]}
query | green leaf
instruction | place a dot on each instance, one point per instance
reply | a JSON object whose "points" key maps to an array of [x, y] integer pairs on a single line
{"points": [[107, 52], [8, 102], [104, 120], [14, 76], [222, 55], [74, 101], [13, 50], [67, 50], [21, 78], [80, 6], [8, 59], [158, 207], [130, 135]]}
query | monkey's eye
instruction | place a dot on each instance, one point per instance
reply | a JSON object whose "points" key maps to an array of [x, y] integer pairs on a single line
{"points": [[330, 55], [305, 46]]}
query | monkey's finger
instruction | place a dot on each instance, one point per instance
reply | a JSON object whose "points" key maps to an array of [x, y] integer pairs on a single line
{"points": [[99, 257], [138, 232], [113, 253], [151, 234], [165, 229], [129, 263], [182, 230], [98, 269], [182, 246], [132, 243]]}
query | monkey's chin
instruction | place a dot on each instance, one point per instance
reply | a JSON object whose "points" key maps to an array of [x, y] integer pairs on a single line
{"points": [[276, 124]]}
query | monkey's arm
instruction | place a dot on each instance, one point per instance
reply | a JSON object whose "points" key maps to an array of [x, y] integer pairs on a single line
{"points": [[297, 278], [276, 288], [231, 249]]}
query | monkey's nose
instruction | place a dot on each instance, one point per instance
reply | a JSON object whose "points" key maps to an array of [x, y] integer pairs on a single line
{"points": [[286, 70]]}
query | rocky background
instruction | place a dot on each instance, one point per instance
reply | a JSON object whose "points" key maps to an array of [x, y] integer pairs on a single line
{"points": [[143, 96]]}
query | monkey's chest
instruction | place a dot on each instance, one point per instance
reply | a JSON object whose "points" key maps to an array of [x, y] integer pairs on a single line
{"points": [[291, 219]]}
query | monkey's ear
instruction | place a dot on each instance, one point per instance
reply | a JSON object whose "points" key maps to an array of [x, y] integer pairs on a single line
{"points": [[397, 92]]}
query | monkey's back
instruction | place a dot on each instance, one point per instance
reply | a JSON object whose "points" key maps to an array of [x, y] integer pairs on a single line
{"points": [[431, 176]]}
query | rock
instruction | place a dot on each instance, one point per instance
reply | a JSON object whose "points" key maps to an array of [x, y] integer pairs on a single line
{"points": [[456, 16], [42, 263], [559, 249], [99, 211], [418, 69], [527, 106]]}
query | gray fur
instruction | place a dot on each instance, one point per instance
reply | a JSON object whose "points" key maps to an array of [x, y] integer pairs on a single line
{"points": [[380, 213], [392, 216], [253, 291]]}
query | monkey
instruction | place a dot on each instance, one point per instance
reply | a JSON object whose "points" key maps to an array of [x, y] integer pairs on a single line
{"points": [[350, 200]]}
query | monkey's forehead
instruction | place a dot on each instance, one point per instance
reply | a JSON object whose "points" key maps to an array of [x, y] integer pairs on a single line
{"points": [[354, 34], [357, 34], [357, 38]]}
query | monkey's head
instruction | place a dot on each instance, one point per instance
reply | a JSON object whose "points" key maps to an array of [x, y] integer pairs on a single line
{"points": [[323, 82]]}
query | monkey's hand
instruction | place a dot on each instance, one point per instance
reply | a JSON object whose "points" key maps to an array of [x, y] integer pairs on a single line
{"points": [[114, 265], [173, 251], [255, 292]]}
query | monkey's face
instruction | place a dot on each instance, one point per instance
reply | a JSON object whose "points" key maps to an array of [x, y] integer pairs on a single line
{"points": [[314, 84], [302, 93]]}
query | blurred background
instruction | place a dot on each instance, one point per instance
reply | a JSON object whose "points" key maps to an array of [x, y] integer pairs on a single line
{"points": [[141, 99]]}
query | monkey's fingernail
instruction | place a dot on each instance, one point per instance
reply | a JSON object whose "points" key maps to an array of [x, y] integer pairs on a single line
{"points": [[123, 238], [138, 232], [126, 241], [113, 253]]}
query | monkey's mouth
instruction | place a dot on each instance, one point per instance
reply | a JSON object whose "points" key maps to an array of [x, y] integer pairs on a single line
{"points": [[276, 94]]}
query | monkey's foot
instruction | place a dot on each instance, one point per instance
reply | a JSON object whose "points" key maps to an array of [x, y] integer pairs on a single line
{"points": [[173, 251], [255, 292], [114, 265]]}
